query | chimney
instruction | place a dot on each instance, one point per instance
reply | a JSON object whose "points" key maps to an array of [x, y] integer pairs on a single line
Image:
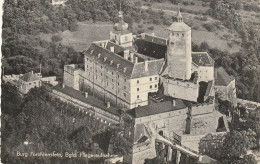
{"points": [[108, 104], [136, 59], [146, 65], [86, 94], [132, 57], [63, 85], [174, 102], [126, 54], [112, 49]]}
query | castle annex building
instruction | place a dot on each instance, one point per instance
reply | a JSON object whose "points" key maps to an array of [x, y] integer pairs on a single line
{"points": [[166, 91]]}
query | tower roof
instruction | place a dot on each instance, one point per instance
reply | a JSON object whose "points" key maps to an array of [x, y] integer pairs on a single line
{"points": [[179, 25], [121, 25]]}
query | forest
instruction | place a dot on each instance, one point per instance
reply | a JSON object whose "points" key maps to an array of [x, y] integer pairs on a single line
{"points": [[39, 123]]}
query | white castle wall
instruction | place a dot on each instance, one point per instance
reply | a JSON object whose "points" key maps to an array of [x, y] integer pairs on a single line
{"points": [[182, 90]]}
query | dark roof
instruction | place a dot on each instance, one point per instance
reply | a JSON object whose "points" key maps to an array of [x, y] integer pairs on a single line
{"points": [[142, 139], [30, 76], [222, 78], [156, 108], [151, 46], [132, 70], [154, 67], [89, 100], [202, 59]]}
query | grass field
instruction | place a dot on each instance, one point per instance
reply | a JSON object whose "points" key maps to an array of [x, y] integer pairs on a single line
{"points": [[85, 34]]}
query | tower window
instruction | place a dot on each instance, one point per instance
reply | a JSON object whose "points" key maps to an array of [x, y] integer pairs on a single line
{"points": [[155, 86], [151, 86], [151, 79], [137, 81], [137, 89], [138, 96]]}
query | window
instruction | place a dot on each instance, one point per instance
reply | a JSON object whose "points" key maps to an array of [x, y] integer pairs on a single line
{"points": [[125, 80], [112, 73], [87, 66], [124, 94], [89, 73], [87, 59], [101, 74], [107, 83], [106, 77], [91, 68], [124, 87], [112, 80], [151, 79], [117, 76], [101, 67], [96, 76], [138, 96], [137, 89], [137, 81], [155, 78], [96, 70], [118, 83], [155, 86], [151, 86]]}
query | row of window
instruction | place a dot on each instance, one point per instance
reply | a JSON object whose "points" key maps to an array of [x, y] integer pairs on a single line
{"points": [[151, 87], [151, 79]]}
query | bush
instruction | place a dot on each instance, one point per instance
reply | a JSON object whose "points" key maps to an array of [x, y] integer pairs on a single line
{"points": [[209, 27], [151, 28], [185, 3]]}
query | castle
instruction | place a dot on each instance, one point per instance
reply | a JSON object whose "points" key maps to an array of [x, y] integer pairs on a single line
{"points": [[160, 86]]}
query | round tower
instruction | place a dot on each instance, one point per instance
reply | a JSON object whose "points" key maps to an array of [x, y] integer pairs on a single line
{"points": [[179, 49]]}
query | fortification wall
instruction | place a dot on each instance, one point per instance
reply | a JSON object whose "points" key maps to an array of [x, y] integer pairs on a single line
{"points": [[168, 122], [142, 152], [203, 108], [88, 108], [203, 124], [182, 90]]}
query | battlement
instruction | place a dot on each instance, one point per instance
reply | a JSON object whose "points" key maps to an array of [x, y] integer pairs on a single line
{"points": [[181, 83]]}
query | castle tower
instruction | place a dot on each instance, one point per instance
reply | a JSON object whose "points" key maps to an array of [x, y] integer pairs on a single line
{"points": [[179, 49], [120, 35]]}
